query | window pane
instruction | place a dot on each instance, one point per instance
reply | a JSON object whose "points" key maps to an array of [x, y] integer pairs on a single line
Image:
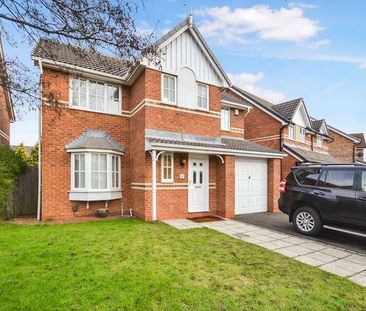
{"points": [[82, 162], [76, 180], [363, 181], [340, 179], [169, 88], [82, 180], [103, 162], [225, 119], [76, 162], [308, 176], [92, 102], [194, 177], [103, 180], [94, 162], [94, 180], [201, 177]]}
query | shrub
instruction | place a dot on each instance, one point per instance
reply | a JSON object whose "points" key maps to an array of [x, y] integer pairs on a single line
{"points": [[11, 165]]}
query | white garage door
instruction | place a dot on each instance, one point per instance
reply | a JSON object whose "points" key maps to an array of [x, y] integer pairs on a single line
{"points": [[250, 186]]}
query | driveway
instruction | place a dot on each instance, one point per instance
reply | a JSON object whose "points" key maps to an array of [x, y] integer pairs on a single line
{"points": [[279, 222]]}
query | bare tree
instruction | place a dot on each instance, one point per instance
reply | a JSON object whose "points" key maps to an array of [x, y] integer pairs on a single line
{"points": [[96, 25]]}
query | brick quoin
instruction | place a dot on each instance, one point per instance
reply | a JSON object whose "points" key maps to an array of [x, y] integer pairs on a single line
{"points": [[141, 110]]}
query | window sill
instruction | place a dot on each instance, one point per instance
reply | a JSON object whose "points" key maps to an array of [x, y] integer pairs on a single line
{"points": [[95, 111], [169, 103], [89, 196]]}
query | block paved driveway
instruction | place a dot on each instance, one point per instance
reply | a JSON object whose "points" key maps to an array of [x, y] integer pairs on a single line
{"points": [[343, 262]]}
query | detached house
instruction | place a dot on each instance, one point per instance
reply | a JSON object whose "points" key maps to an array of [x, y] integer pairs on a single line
{"points": [[288, 127], [167, 142], [343, 147]]}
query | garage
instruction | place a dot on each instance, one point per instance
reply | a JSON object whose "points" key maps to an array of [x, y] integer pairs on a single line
{"points": [[251, 185]]}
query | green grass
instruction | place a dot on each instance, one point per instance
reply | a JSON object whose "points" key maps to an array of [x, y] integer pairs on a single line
{"points": [[134, 265]]}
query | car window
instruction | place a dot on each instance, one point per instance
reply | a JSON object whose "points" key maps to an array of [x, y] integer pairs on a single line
{"points": [[342, 179], [363, 181], [307, 176]]}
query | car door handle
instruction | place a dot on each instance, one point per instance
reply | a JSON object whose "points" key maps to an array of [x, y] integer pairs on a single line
{"points": [[362, 198], [318, 193]]}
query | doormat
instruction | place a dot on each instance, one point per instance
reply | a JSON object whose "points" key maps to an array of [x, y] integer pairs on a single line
{"points": [[206, 219]]}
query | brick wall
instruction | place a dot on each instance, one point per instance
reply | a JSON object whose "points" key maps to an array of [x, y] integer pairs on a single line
{"points": [[225, 182], [274, 171], [4, 119], [341, 148]]}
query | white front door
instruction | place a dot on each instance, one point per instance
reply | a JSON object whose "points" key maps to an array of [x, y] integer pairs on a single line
{"points": [[250, 186], [198, 184]]}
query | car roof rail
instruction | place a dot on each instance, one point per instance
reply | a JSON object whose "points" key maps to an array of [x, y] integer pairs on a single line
{"points": [[331, 164]]}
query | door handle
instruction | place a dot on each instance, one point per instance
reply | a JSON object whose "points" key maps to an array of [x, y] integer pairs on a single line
{"points": [[318, 193], [362, 198]]}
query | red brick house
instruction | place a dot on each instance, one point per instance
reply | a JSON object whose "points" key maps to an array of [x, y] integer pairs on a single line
{"points": [[161, 143], [7, 115], [343, 147], [287, 127]]}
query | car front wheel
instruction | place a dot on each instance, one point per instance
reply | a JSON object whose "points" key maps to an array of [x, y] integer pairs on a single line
{"points": [[306, 220]]}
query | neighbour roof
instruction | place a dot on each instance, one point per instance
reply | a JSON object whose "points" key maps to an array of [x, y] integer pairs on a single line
{"points": [[312, 156], [95, 139], [288, 109], [229, 96], [317, 124], [349, 136], [68, 54], [239, 144], [361, 137]]}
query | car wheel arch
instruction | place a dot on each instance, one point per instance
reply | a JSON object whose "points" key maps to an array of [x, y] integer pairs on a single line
{"points": [[297, 204]]}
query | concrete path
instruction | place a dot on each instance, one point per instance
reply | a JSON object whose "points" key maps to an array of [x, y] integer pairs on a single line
{"points": [[336, 260]]}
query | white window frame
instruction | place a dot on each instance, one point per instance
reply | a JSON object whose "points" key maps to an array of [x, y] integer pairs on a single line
{"points": [[116, 173], [166, 100], [302, 134], [163, 179], [225, 127], [73, 171], [291, 132], [198, 84], [319, 141], [88, 179], [86, 106]]}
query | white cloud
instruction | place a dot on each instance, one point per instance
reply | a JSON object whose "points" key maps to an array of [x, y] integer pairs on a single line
{"points": [[234, 25], [248, 82], [145, 28], [301, 5], [319, 43]]}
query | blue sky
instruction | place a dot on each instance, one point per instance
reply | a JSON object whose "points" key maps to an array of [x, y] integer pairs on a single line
{"points": [[278, 49]]}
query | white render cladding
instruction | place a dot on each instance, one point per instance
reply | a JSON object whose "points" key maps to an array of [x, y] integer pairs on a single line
{"points": [[184, 51]]}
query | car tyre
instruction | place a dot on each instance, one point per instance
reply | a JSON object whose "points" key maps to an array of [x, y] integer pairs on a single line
{"points": [[306, 220]]}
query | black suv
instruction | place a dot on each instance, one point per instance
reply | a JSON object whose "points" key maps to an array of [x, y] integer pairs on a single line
{"points": [[331, 195]]}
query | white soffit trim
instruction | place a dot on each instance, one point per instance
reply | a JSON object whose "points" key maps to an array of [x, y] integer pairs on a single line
{"points": [[94, 150]]}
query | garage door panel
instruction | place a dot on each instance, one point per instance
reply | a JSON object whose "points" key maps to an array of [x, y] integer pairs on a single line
{"points": [[250, 186]]}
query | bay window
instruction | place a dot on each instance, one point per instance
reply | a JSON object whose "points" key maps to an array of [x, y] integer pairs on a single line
{"points": [[169, 89], [95, 95], [94, 172], [202, 96]]}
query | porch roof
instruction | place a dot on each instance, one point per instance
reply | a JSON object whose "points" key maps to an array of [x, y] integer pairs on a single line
{"points": [[168, 141], [311, 156]]}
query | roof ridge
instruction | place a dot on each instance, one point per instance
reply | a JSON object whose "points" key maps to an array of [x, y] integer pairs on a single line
{"points": [[290, 101]]}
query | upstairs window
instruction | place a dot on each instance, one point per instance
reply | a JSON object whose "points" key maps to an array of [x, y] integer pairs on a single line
{"points": [[319, 140], [94, 95], [202, 96], [291, 132], [169, 89], [225, 119], [167, 164], [302, 134]]}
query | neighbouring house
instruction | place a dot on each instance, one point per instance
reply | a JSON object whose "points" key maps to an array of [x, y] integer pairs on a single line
{"points": [[360, 149], [7, 114], [162, 142], [343, 147], [287, 127]]}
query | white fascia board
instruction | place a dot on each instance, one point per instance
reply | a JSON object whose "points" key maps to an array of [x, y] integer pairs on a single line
{"points": [[76, 69], [94, 150], [260, 107], [205, 150]]}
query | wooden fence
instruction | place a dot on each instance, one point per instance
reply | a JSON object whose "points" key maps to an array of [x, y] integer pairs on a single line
{"points": [[23, 199]]}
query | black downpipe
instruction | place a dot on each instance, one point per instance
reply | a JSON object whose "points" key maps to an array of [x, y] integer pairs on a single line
{"points": [[281, 147]]}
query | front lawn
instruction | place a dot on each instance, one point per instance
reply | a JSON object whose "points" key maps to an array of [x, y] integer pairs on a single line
{"points": [[134, 265]]}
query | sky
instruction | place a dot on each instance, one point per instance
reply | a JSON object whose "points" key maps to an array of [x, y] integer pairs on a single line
{"points": [[279, 50]]}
